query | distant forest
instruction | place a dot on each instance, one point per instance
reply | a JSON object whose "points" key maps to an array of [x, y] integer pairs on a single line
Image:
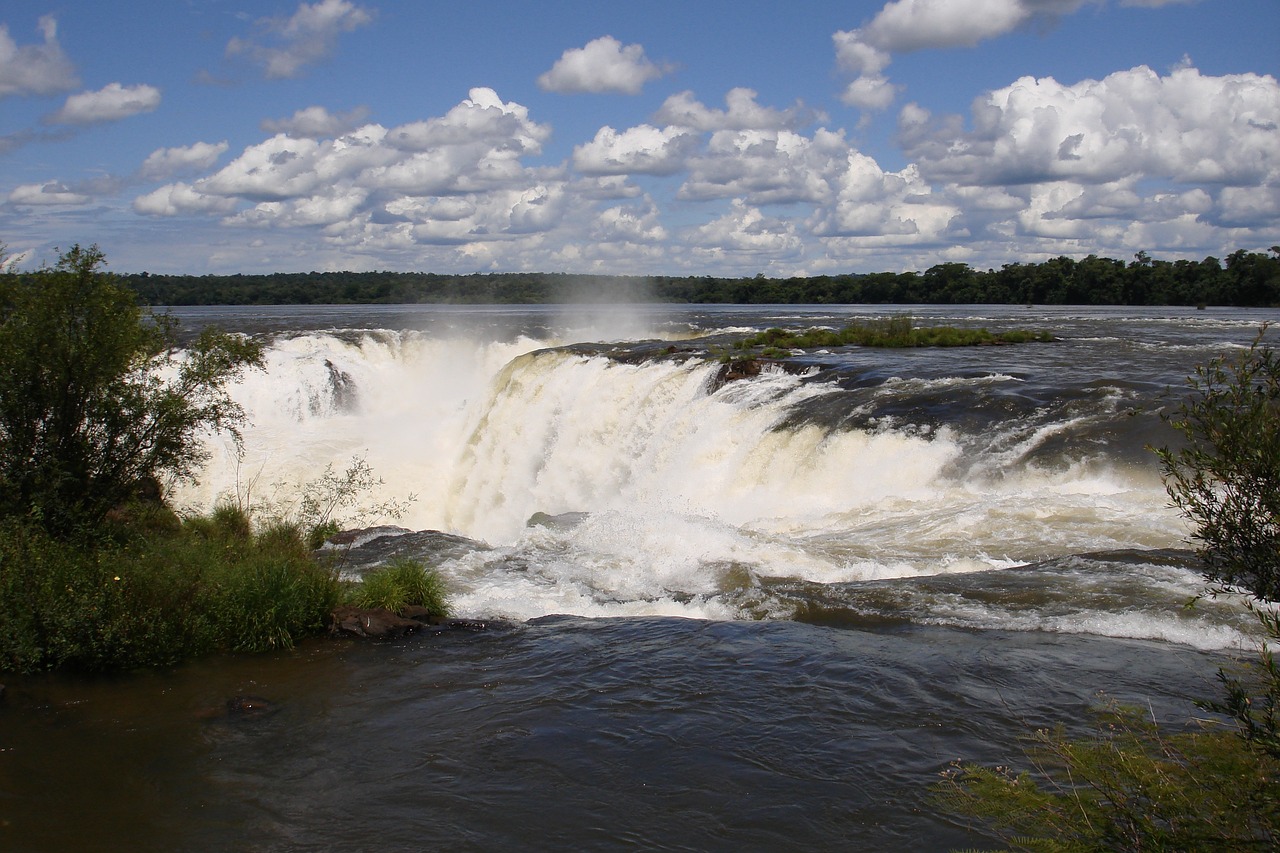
{"points": [[1244, 279]]}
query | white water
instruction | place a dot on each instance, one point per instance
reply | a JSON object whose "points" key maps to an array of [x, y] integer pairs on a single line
{"points": [[688, 494]]}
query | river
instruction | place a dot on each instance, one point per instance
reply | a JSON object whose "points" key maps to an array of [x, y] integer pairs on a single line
{"points": [[757, 613]]}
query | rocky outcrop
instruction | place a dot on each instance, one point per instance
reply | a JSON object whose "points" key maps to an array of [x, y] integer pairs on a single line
{"points": [[378, 623], [375, 623]]}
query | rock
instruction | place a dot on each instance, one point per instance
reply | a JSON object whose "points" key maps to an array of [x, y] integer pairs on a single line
{"points": [[562, 521], [375, 623], [250, 706]]}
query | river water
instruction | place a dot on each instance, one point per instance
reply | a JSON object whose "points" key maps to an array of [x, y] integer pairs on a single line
{"points": [[758, 613]]}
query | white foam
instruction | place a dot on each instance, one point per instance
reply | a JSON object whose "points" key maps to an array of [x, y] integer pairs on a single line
{"points": [[681, 486]]}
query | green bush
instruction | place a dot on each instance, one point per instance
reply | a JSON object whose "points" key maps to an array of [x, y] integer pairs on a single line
{"points": [[96, 406], [896, 332], [156, 599], [399, 584], [1226, 479], [1130, 786]]}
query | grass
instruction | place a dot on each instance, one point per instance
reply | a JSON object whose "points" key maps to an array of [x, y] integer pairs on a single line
{"points": [[1128, 786], [400, 584], [159, 591], [891, 332]]}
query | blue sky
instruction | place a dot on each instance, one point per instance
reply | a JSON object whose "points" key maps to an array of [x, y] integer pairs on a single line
{"points": [[722, 138]]}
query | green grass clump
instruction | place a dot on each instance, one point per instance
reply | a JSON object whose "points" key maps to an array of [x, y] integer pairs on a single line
{"points": [[1129, 786], [123, 602], [400, 584], [891, 332]]}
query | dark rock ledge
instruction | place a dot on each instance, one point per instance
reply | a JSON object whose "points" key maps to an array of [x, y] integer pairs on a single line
{"points": [[378, 623]]}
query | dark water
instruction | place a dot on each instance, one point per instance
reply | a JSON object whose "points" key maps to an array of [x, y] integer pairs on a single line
{"points": [[561, 733], [795, 599]]}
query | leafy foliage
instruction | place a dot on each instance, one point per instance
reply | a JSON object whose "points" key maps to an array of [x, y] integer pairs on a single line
{"points": [[1226, 480], [890, 332], [1244, 278], [155, 599], [1130, 786], [399, 584], [96, 407]]}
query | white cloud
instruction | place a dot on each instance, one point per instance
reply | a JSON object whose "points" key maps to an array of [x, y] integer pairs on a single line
{"points": [[741, 113], [449, 180], [35, 69], [640, 150], [745, 229], [870, 202], [766, 167], [903, 26], [630, 224], [167, 162], [316, 123], [483, 117], [907, 25], [110, 103], [603, 65], [177, 199], [1183, 127], [47, 194], [309, 36]]}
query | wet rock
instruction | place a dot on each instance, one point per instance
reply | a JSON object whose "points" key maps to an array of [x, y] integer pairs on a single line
{"points": [[734, 371], [250, 706], [562, 521], [375, 623], [359, 550]]}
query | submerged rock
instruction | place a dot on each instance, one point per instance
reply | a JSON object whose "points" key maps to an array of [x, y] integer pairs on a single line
{"points": [[250, 707], [375, 623], [378, 623]]}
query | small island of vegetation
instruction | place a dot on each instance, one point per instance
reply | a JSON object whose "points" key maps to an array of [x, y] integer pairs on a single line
{"points": [[899, 332]]}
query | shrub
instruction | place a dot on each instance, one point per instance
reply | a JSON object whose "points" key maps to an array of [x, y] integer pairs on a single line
{"points": [[894, 332], [96, 407], [1226, 480], [399, 584], [1129, 786], [156, 599]]}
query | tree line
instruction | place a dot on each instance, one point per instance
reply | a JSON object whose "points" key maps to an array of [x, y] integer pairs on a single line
{"points": [[1243, 279]]}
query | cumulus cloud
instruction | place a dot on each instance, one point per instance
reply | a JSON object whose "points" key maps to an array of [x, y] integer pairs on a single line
{"points": [[603, 65], [766, 167], [741, 113], [110, 103], [35, 69], [482, 117], [745, 229], [316, 123], [447, 181], [180, 198], [904, 26], [641, 150], [630, 224], [47, 194], [166, 162], [1133, 161], [1184, 127], [287, 45]]}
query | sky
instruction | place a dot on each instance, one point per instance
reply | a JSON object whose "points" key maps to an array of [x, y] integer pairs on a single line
{"points": [[700, 137]]}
